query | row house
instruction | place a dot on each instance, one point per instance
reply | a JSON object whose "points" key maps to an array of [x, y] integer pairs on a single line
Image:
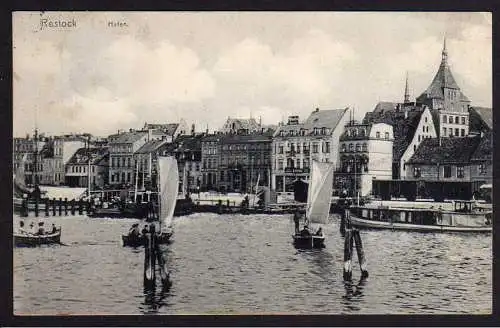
{"points": [[445, 161], [64, 147], [88, 163], [365, 154], [210, 153], [187, 151], [244, 161], [411, 125], [296, 144], [168, 131], [482, 162], [481, 119], [122, 147], [145, 159], [25, 148]]}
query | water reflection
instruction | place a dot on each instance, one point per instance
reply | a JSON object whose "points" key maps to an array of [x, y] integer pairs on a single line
{"points": [[353, 295], [155, 296]]}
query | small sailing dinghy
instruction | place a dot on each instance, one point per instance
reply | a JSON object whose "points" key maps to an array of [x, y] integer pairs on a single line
{"points": [[318, 206], [168, 184]]}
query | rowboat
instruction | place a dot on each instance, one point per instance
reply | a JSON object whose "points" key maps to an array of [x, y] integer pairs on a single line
{"points": [[30, 240]]}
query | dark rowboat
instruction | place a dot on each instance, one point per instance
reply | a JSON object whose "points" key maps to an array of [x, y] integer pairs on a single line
{"points": [[136, 241], [26, 240], [311, 241]]}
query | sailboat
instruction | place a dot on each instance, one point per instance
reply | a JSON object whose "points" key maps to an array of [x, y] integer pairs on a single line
{"points": [[168, 184], [318, 206]]}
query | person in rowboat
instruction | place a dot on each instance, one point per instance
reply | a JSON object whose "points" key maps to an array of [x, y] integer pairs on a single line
{"points": [[21, 228], [134, 230], [296, 219]]}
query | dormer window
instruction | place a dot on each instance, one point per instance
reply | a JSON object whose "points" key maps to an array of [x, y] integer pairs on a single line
{"points": [[377, 135]]}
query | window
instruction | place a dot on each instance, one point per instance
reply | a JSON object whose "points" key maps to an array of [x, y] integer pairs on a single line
{"points": [[414, 147], [128, 176], [315, 148], [327, 147], [456, 132], [280, 149], [463, 120], [305, 163], [419, 138], [387, 135], [462, 132], [292, 147], [425, 119], [342, 149], [358, 147], [377, 135], [482, 168], [280, 164], [460, 171], [365, 147], [456, 119], [444, 131], [416, 172], [112, 178], [297, 163], [451, 132], [351, 147], [221, 175], [447, 171], [450, 119]]}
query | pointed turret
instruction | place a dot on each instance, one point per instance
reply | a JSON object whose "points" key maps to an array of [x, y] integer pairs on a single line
{"points": [[407, 92], [444, 54]]}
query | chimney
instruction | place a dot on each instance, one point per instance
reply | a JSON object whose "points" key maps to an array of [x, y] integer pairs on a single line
{"points": [[192, 129]]}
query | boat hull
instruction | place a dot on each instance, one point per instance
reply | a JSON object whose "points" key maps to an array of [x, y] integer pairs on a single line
{"points": [[308, 242], [22, 240], [374, 224], [129, 241]]}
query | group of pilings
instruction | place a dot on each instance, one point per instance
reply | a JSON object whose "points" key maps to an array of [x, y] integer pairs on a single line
{"points": [[54, 207], [152, 256], [352, 238]]}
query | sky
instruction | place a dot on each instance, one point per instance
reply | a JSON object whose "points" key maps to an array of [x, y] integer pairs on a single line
{"points": [[206, 67]]}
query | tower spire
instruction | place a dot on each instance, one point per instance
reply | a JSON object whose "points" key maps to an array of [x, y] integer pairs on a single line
{"points": [[444, 53], [407, 92]]}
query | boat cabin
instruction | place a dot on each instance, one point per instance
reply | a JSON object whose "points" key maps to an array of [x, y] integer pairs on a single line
{"points": [[396, 215]]}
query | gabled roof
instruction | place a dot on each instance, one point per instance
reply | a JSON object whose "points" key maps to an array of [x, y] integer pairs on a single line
{"points": [[168, 128], [188, 142], [127, 137], [481, 118], [81, 156], [484, 151], [242, 123], [452, 150], [329, 118], [403, 128], [150, 146]]}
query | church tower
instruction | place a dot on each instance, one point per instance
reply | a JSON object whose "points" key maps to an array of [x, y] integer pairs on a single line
{"points": [[444, 97], [407, 91]]}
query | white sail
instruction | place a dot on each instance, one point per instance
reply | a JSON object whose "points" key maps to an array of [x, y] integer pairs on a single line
{"points": [[168, 184], [320, 192]]}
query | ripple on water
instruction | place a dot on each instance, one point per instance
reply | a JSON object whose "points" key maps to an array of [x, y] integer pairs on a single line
{"points": [[245, 264]]}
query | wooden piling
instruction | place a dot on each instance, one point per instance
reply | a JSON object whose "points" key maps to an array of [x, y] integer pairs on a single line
{"points": [[361, 253], [60, 206], [149, 260], [72, 207], [348, 241], [219, 206], [36, 206], [46, 207], [80, 207], [65, 206], [24, 207], [53, 207]]}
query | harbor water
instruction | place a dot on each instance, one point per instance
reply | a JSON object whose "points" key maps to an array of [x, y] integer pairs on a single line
{"points": [[237, 264]]}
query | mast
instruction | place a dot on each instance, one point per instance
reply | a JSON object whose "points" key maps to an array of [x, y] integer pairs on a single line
{"points": [[88, 167], [136, 179], [35, 168]]}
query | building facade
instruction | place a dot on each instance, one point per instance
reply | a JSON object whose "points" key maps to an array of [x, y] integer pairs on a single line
{"points": [[145, 159], [122, 147], [85, 164], [296, 144], [245, 161], [187, 151], [210, 153], [365, 154], [240, 125]]}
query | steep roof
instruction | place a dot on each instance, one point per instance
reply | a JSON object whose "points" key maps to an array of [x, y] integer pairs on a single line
{"points": [[481, 118], [82, 154], [128, 137], [188, 142], [244, 123], [484, 151], [168, 128], [455, 150], [329, 118], [385, 106], [403, 128], [150, 146]]}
